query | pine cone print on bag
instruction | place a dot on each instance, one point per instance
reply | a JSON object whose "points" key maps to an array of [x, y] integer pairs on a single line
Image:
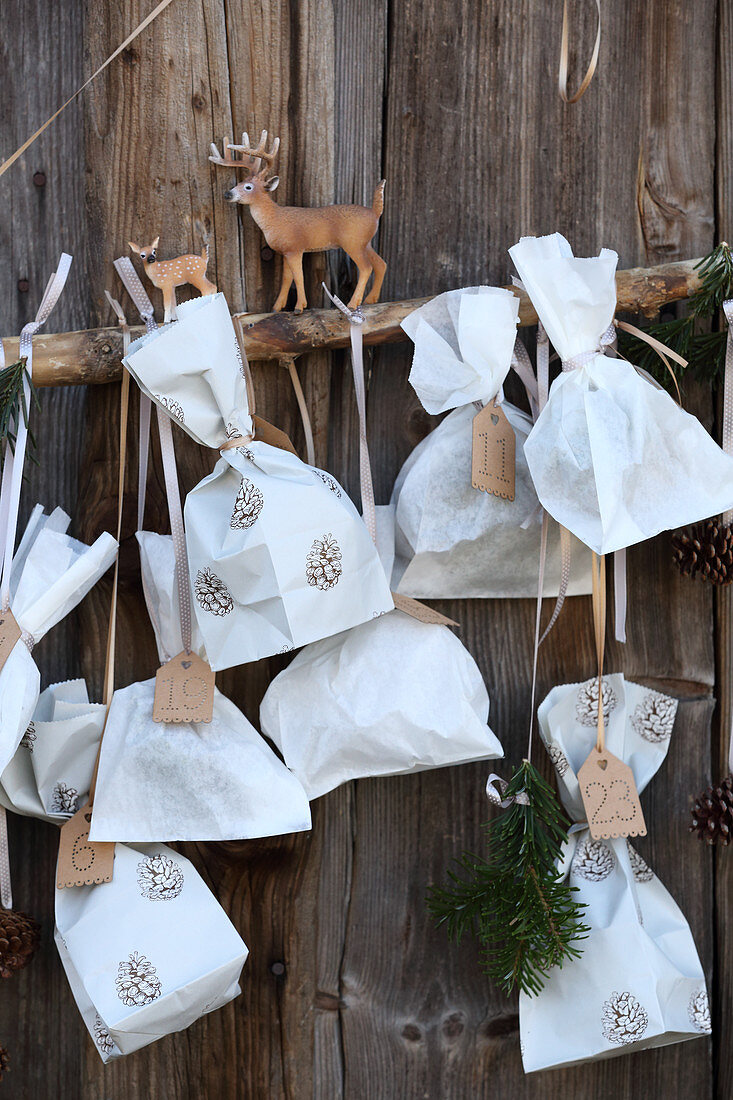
{"points": [[654, 717], [558, 758], [624, 1019], [20, 936], [102, 1037], [586, 707], [705, 551], [65, 799], [699, 1012], [29, 737], [212, 594], [327, 480], [247, 506], [137, 982], [323, 564], [641, 870], [593, 860], [159, 878], [171, 406]]}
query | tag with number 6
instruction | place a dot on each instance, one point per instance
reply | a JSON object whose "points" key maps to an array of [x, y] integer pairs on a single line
{"points": [[184, 690]]}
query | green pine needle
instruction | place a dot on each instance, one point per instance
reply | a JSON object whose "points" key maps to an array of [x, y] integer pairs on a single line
{"points": [[524, 916], [13, 404], [704, 350]]}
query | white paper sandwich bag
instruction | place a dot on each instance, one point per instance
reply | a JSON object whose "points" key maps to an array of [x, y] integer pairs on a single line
{"points": [[51, 574], [612, 456], [638, 983], [188, 781], [278, 555], [453, 540], [148, 953], [50, 774]]}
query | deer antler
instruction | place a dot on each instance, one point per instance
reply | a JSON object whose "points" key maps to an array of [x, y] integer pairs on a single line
{"points": [[259, 154]]}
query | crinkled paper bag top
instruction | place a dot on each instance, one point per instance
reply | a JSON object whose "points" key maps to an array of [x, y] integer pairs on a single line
{"points": [[463, 346], [575, 297], [193, 368]]}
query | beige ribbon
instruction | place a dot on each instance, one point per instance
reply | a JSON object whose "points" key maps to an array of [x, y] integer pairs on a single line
{"points": [[109, 663], [356, 320], [599, 629], [130, 38], [562, 74]]}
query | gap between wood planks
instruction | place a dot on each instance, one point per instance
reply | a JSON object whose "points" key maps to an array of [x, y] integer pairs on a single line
{"points": [[92, 356]]}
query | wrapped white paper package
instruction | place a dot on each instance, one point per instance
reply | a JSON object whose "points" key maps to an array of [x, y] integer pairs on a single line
{"points": [[200, 781], [51, 574], [148, 953], [638, 982], [49, 775], [278, 554], [453, 540], [386, 698], [613, 457]]}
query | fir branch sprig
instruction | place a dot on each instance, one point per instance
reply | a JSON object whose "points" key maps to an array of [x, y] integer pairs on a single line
{"points": [[13, 404], [513, 901], [704, 350]]}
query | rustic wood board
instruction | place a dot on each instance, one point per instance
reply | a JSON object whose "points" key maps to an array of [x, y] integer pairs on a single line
{"points": [[455, 104]]}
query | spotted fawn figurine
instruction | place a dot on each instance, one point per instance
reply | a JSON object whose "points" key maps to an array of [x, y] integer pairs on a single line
{"points": [[166, 275], [293, 230]]}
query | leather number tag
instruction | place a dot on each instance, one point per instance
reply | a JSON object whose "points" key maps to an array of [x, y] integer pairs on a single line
{"points": [[494, 452], [421, 611], [610, 797], [82, 862], [184, 690], [9, 634]]}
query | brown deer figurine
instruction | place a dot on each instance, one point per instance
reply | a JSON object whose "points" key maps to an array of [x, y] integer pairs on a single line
{"points": [[166, 275], [293, 230]]}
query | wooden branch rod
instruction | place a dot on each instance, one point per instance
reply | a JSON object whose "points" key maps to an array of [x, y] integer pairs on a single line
{"points": [[93, 356]]}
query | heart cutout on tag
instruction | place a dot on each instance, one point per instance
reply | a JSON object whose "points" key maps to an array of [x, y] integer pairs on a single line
{"points": [[494, 419], [602, 764], [87, 817], [186, 664]]}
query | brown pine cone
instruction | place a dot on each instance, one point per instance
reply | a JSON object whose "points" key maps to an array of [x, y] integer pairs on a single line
{"points": [[20, 936], [4, 1062], [712, 814], [706, 550]]}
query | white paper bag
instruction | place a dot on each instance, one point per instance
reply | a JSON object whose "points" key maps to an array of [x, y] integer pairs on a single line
{"points": [[148, 953], [50, 774], [638, 983], [51, 574], [388, 697], [613, 458], [187, 781], [277, 557], [453, 540]]}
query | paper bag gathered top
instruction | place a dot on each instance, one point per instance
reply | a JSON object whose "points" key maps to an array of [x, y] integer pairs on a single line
{"points": [[51, 574], [50, 775], [613, 458], [278, 554], [452, 540], [190, 781], [638, 983]]}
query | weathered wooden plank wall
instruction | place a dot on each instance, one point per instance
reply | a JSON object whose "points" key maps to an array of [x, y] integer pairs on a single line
{"points": [[455, 104]]}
